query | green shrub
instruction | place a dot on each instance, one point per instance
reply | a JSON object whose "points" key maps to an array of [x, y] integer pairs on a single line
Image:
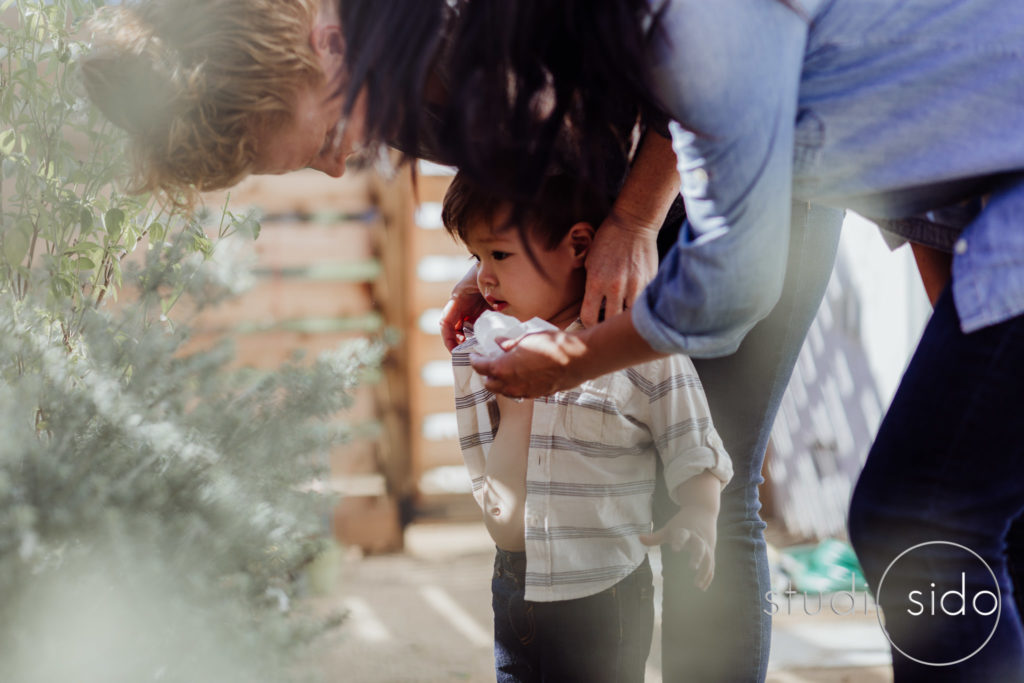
{"points": [[155, 507]]}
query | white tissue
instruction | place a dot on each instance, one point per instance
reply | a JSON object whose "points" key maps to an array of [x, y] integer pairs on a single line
{"points": [[492, 325]]}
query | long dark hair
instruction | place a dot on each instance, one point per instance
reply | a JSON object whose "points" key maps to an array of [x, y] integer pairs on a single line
{"points": [[537, 83], [531, 85], [390, 49]]}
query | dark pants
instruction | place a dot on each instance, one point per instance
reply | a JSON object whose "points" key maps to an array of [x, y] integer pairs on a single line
{"points": [[948, 465], [602, 637], [725, 634]]}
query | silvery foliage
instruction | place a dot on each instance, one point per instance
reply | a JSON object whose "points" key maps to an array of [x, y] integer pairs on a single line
{"points": [[155, 506]]}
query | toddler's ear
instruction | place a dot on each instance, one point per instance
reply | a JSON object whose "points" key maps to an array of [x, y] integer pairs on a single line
{"points": [[581, 236]]}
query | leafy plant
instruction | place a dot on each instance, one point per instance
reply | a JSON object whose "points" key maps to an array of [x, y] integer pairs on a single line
{"points": [[155, 513]]}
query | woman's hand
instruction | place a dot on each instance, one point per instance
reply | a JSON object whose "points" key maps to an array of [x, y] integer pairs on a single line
{"points": [[536, 365], [465, 305], [542, 363], [622, 260], [533, 365], [624, 256]]}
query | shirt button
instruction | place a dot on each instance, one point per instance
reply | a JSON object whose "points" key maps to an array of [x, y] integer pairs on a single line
{"points": [[960, 246], [696, 181]]}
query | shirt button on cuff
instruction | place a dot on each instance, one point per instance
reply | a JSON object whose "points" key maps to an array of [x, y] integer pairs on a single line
{"points": [[696, 181], [960, 246]]}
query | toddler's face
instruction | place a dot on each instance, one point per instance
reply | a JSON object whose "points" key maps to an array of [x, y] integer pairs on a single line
{"points": [[514, 285]]}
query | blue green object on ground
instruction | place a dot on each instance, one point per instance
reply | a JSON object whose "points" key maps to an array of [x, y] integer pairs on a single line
{"points": [[825, 567]]}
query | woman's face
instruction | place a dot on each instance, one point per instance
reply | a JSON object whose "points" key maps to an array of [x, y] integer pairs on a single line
{"points": [[318, 135]]}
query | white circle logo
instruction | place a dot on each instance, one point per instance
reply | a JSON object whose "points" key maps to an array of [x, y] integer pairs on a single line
{"points": [[979, 602]]}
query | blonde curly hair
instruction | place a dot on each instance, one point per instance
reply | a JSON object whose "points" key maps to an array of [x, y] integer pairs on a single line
{"points": [[196, 82]]}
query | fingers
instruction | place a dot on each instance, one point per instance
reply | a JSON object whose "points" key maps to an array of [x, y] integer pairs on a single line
{"points": [[702, 561], [451, 324], [633, 290], [591, 308], [613, 300], [610, 296], [706, 571], [702, 557], [451, 336], [651, 540], [664, 536], [482, 364]]}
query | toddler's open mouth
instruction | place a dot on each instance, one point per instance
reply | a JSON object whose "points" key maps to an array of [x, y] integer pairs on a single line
{"points": [[496, 304]]}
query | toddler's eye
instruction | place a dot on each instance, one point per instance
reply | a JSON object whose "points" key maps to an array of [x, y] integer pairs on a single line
{"points": [[474, 258], [500, 255]]}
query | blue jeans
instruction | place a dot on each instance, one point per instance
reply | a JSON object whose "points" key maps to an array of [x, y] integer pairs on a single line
{"points": [[948, 465], [724, 634], [602, 637]]}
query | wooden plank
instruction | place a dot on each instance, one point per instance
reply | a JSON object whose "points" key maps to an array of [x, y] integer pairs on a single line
{"points": [[395, 243], [440, 242], [359, 457], [268, 350], [282, 244], [429, 347], [369, 522], [431, 188], [438, 398], [277, 299], [335, 271], [430, 295], [362, 416], [301, 192]]}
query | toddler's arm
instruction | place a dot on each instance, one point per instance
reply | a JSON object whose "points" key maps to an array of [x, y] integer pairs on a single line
{"points": [[696, 466], [503, 494], [694, 526]]}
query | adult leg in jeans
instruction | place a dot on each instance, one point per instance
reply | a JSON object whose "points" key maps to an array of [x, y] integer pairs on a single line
{"points": [[946, 466], [724, 634]]}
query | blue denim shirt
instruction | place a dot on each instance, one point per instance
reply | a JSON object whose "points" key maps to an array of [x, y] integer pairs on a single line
{"points": [[892, 109]]}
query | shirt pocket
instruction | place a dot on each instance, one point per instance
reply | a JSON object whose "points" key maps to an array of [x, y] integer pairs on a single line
{"points": [[597, 415]]}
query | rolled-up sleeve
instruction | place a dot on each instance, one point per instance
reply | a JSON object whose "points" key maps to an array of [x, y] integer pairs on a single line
{"points": [[730, 71], [677, 415]]}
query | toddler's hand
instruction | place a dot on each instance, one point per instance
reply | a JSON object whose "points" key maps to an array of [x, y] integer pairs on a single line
{"points": [[465, 305], [692, 530]]}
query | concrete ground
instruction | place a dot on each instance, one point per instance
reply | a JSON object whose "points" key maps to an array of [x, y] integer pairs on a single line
{"points": [[424, 616]]}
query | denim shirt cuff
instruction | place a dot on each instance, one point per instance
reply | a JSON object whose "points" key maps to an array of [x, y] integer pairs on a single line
{"points": [[665, 339]]}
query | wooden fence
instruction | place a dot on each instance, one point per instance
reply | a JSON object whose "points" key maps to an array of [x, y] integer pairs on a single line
{"points": [[358, 256]]}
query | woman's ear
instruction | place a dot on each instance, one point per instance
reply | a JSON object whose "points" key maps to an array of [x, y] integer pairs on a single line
{"points": [[581, 236], [328, 45], [327, 41]]}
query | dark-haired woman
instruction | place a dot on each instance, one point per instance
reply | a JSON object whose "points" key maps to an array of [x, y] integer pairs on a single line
{"points": [[895, 110]]}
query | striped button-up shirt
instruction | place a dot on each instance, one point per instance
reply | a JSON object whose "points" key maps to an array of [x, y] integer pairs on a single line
{"points": [[592, 462]]}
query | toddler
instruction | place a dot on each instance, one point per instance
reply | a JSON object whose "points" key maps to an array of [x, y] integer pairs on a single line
{"points": [[565, 481]]}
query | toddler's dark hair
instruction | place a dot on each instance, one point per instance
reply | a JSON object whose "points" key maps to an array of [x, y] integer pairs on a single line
{"points": [[562, 202]]}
